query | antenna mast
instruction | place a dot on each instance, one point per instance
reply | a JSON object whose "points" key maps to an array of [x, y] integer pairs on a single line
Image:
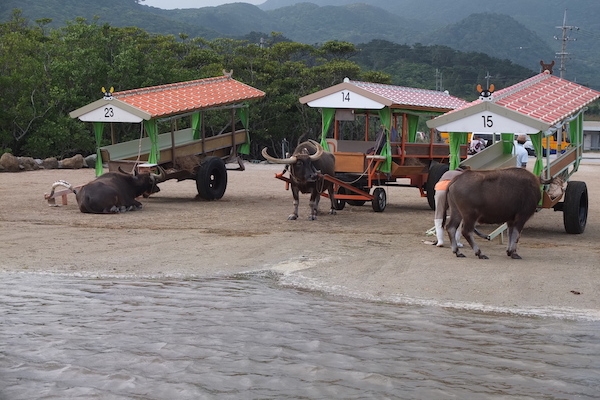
{"points": [[565, 38]]}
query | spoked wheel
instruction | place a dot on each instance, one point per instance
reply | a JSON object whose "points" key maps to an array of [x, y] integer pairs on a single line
{"points": [[211, 178], [435, 173], [380, 199], [575, 207]]}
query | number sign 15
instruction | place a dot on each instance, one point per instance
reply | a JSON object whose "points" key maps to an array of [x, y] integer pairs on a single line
{"points": [[487, 121]]}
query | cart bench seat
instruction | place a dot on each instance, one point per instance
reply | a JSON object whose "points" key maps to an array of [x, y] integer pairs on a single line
{"points": [[492, 157]]}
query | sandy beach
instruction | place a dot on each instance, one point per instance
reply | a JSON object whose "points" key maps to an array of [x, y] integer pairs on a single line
{"points": [[357, 252]]}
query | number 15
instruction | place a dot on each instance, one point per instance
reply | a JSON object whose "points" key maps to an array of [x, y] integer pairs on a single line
{"points": [[487, 121]]}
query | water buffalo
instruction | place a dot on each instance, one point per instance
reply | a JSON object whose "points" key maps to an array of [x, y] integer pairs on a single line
{"points": [[307, 165], [508, 195], [114, 192]]}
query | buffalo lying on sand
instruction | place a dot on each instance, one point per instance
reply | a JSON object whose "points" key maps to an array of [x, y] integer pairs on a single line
{"points": [[508, 195], [307, 165], [114, 192]]}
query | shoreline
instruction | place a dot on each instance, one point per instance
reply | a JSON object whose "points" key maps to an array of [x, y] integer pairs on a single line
{"points": [[358, 252]]}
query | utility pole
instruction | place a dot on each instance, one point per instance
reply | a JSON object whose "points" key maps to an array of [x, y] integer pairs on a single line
{"points": [[487, 80], [439, 86], [565, 38]]}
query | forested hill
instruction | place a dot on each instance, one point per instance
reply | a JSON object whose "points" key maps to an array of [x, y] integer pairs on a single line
{"points": [[519, 30], [465, 35], [115, 12]]}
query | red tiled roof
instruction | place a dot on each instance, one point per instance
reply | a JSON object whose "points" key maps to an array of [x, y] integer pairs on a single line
{"points": [[182, 97], [412, 97], [543, 97]]}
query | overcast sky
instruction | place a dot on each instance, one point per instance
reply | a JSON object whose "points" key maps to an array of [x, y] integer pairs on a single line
{"points": [[171, 4]]}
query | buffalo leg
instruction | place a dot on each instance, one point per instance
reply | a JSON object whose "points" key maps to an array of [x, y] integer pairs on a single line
{"points": [[467, 231], [452, 228], [331, 199], [315, 196], [296, 194], [514, 232]]}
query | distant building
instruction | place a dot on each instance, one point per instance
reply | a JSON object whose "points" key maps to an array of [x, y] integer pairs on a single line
{"points": [[591, 135]]}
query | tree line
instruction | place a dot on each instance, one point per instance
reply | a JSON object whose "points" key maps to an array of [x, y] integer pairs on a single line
{"points": [[47, 72]]}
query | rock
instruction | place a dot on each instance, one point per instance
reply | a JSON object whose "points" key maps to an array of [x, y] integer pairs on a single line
{"points": [[9, 163], [50, 163], [90, 161], [75, 162], [27, 164]]}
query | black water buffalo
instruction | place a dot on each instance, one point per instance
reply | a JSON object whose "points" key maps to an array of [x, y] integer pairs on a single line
{"points": [[114, 192], [307, 165], [508, 195]]}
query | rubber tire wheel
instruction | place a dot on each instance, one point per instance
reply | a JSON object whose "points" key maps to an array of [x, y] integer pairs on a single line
{"points": [[211, 178], [380, 200], [575, 207], [340, 204], [435, 173]]}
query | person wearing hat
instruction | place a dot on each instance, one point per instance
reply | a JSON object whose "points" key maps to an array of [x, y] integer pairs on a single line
{"points": [[441, 190], [521, 151]]}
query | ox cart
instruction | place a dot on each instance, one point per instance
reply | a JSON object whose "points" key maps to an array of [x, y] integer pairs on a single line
{"points": [[555, 106], [375, 140], [189, 149]]}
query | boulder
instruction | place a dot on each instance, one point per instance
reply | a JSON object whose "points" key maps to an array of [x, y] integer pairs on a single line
{"points": [[27, 164], [50, 163], [9, 163], [90, 161], [74, 162]]}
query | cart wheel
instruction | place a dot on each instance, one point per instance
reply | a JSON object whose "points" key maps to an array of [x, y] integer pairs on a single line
{"points": [[211, 178], [380, 200], [575, 208], [435, 173], [339, 203]]}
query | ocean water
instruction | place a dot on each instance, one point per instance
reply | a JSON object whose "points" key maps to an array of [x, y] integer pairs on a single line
{"points": [[263, 335]]}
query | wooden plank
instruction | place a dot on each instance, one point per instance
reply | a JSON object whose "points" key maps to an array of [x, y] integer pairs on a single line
{"points": [[184, 145], [563, 161], [350, 162], [211, 145], [354, 146]]}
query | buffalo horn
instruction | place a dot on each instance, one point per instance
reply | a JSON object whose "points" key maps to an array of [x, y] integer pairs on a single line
{"points": [[161, 176], [128, 173], [319, 152], [274, 160]]}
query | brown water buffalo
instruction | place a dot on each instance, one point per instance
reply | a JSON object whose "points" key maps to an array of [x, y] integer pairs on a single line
{"points": [[508, 195], [307, 165], [114, 192]]}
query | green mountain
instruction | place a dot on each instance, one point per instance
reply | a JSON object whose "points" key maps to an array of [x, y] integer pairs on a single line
{"points": [[521, 31], [494, 34], [118, 13]]}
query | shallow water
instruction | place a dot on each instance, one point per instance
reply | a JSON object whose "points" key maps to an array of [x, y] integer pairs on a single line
{"points": [[249, 336]]}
